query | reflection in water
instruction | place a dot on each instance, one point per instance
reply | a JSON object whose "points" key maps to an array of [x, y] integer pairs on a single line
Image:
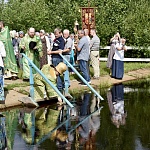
{"points": [[38, 123], [62, 125], [87, 122], [115, 99], [3, 139], [51, 127]]}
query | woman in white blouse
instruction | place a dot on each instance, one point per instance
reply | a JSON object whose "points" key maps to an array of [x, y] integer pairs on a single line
{"points": [[118, 64]]}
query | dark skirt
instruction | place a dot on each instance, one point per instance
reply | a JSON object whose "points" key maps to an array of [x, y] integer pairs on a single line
{"points": [[117, 93], [117, 69]]}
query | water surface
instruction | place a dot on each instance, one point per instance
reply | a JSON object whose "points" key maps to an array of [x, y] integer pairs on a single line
{"points": [[120, 122]]}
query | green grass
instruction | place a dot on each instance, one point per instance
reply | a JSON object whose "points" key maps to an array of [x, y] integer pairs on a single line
{"points": [[12, 86], [135, 66], [22, 91], [128, 66]]}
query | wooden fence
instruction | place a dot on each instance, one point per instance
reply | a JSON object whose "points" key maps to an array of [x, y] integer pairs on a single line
{"points": [[127, 59]]}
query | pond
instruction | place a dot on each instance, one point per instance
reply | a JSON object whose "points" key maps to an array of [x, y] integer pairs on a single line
{"points": [[120, 122]]}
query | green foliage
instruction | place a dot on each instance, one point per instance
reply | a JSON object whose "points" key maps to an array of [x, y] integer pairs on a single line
{"points": [[131, 18], [22, 15]]}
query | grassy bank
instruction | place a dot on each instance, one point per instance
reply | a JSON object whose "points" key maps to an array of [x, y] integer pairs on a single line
{"points": [[21, 87], [128, 66]]}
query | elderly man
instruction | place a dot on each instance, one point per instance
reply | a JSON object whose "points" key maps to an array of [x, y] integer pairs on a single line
{"points": [[31, 45], [83, 55], [94, 55], [21, 35], [67, 53], [87, 35], [58, 47]]}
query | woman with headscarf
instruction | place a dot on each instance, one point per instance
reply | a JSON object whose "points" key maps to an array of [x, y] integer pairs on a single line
{"points": [[114, 40]]}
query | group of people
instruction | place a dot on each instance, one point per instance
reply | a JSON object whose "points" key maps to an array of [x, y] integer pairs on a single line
{"points": [[44, 50]]}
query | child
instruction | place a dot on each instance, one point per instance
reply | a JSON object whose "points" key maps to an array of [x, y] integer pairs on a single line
{"points": [[2, 55]]}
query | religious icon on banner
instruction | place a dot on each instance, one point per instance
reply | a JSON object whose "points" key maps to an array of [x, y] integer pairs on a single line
{"points": [[88, 18]]}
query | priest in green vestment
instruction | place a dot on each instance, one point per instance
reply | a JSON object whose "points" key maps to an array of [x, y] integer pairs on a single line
{"points": [[10, 64], [42, 125], [41, 88], [32, 47]]}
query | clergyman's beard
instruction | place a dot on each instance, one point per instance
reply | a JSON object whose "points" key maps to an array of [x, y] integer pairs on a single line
{"points": [[31, 36]]}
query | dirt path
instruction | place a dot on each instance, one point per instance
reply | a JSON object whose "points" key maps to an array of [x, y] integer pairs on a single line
{"points": [[13, 96], [107, 80]]}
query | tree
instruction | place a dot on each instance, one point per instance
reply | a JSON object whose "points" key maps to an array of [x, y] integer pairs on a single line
{"points": [[130, 18]]}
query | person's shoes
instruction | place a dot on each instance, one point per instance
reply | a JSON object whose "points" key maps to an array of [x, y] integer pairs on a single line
{"points": [[95, 78], [82, 84], [2, 101], [72, 73], [89, 82], [26, 80], [14, 78], [1, 115], [67, 95], [60, 103]]}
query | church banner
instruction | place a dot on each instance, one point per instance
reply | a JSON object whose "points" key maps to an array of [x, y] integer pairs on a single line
{"points": [[88, 17]]}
